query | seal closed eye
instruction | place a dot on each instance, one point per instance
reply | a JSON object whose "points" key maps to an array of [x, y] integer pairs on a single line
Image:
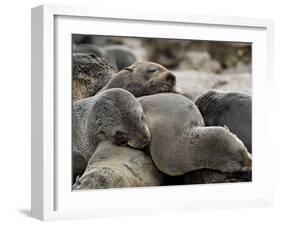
{"points": [[143, 78]]}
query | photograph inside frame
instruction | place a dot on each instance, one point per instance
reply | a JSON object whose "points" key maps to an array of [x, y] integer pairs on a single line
{"points": [[157, 112]]}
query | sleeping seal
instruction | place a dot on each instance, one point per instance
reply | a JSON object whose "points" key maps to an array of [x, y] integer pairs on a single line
{"points": [[113, 166], [143, 78], [114, 115], [180, 143]]}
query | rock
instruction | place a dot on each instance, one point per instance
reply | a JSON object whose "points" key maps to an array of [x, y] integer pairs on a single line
{"points": [[201, 61], [168, 53], [227, 54], [194, 83], [230, 54]]}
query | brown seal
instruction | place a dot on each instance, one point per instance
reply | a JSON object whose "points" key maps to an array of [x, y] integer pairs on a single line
{"points": [[143, 78], [89, 74]]}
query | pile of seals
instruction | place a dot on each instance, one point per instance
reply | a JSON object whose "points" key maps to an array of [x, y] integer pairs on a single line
{"points": [[131, 128]]}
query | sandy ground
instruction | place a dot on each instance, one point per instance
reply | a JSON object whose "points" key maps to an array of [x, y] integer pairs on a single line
{"points": [[195, 83]]}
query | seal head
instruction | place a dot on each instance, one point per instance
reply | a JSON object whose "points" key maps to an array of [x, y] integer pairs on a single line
{"points": [[144, 78]]}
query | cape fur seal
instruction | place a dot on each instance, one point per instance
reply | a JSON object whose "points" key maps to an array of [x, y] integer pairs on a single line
{"points": [[180, 143], [232, 109], [119, 56], [113, 115], [113, 166], [143, 78], [90, 73]]}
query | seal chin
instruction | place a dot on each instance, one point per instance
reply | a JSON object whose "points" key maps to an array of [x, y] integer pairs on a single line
{"points": [[168, 87], [139, 145], [143, 139]]}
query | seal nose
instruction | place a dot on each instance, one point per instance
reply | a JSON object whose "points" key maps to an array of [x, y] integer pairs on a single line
{"points": [[171, 78]]}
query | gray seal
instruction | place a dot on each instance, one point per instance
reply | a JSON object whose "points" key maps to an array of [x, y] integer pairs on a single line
{"points": [[181, 143], [113, 115], [232, 109], [89, 74], [113, 166], [143, 78]]}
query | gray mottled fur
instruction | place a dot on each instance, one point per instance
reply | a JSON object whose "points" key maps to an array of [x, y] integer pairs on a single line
{"points": [[180, 143], [90, 73], [233, 109], [98, 118], [114, 166], [140, 80]]}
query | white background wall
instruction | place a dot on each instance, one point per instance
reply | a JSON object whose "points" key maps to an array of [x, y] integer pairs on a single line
{"points": [[15, 112]]}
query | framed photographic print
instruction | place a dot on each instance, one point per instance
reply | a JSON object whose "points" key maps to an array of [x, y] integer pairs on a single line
{"points": [[137, 112]]}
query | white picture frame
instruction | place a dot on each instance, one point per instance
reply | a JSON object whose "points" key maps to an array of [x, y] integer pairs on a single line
{"points": [[52, 197]]}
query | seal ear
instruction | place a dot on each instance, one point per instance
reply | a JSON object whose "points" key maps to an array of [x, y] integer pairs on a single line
{"points": [[101, 135], [125, 71], [128, 69], [226, 128]]}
